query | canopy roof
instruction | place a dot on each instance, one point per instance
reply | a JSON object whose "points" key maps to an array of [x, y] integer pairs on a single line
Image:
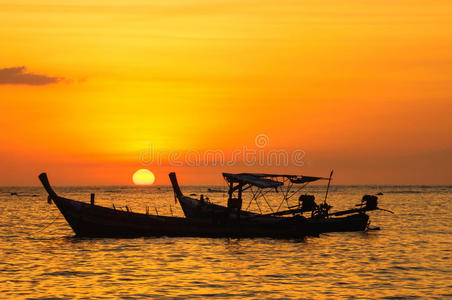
{"points": [[263, 180]]}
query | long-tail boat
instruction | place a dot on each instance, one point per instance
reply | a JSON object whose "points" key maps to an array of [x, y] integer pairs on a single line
{"points": [[91, 220], [321, 220]]}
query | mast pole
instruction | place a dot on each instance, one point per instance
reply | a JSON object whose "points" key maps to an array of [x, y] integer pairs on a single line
{"points": [[328, 186]]}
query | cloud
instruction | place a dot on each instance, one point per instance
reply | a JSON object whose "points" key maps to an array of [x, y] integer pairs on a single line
{"points": [[19, 75]]}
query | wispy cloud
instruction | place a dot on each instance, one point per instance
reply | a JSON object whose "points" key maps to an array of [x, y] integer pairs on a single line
{"points": [[19, 75]]}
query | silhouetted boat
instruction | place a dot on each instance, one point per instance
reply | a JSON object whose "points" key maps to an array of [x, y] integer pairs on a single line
{"points": [[320, 221], [90, 220]]}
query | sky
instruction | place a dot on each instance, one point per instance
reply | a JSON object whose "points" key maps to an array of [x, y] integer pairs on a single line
{"points": [[91, 91]]}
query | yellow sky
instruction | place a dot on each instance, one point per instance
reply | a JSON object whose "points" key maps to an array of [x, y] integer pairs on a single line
{"points": [[364, 87]]}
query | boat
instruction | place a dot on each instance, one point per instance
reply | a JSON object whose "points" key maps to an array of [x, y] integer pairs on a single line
{"points": [[91, 220], [321, 220]]}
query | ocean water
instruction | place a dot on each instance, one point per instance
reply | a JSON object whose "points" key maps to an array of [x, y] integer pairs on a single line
{"points": [[409, 258]]}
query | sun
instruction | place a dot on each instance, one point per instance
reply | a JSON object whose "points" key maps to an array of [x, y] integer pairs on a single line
{"points": [[143, 177]]}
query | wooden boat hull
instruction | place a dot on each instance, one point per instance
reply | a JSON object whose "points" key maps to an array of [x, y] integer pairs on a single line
{"points": [[96, 221], [88, 220], [355, 222]]}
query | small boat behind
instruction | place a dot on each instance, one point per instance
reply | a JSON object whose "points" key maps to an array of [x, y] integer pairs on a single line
{"points": [[321, 220]]}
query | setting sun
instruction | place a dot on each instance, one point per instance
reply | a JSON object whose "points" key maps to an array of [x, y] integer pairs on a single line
{"points": [[143, 177]]}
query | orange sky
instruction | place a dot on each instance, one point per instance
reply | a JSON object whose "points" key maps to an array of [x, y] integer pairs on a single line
{"points": [[363, 87]]}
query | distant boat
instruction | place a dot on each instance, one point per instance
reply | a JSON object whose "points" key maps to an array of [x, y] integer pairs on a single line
{"points": [[209, 190], [321, 220], [90, 220]]}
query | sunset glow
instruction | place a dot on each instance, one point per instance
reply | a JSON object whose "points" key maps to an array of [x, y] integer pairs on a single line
{"points": [[361, 87], [143, 177]]}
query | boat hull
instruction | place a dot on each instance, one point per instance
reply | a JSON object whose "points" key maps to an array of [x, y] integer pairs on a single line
{"points": [[88, 220], [355, 222], [195, 209]]}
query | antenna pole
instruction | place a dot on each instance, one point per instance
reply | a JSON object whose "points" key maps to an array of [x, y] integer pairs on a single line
{"points": [[328, 186]]}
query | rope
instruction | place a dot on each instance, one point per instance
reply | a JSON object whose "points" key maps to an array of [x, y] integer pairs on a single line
{"points": [[53, 221]]}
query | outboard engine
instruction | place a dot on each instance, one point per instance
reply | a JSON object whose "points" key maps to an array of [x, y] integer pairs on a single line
{"points": [[307, 202], [370, 202]]}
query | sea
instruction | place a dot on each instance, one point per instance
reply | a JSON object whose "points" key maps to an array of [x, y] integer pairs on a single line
{"points": [[410, 257]]}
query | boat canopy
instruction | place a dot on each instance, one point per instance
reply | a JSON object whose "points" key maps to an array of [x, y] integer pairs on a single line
{"points": [[304, 179], [253, 179], [263, 180]]}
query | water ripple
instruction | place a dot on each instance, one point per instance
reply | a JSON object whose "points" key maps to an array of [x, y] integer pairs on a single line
{"points": [[409, 258]]}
